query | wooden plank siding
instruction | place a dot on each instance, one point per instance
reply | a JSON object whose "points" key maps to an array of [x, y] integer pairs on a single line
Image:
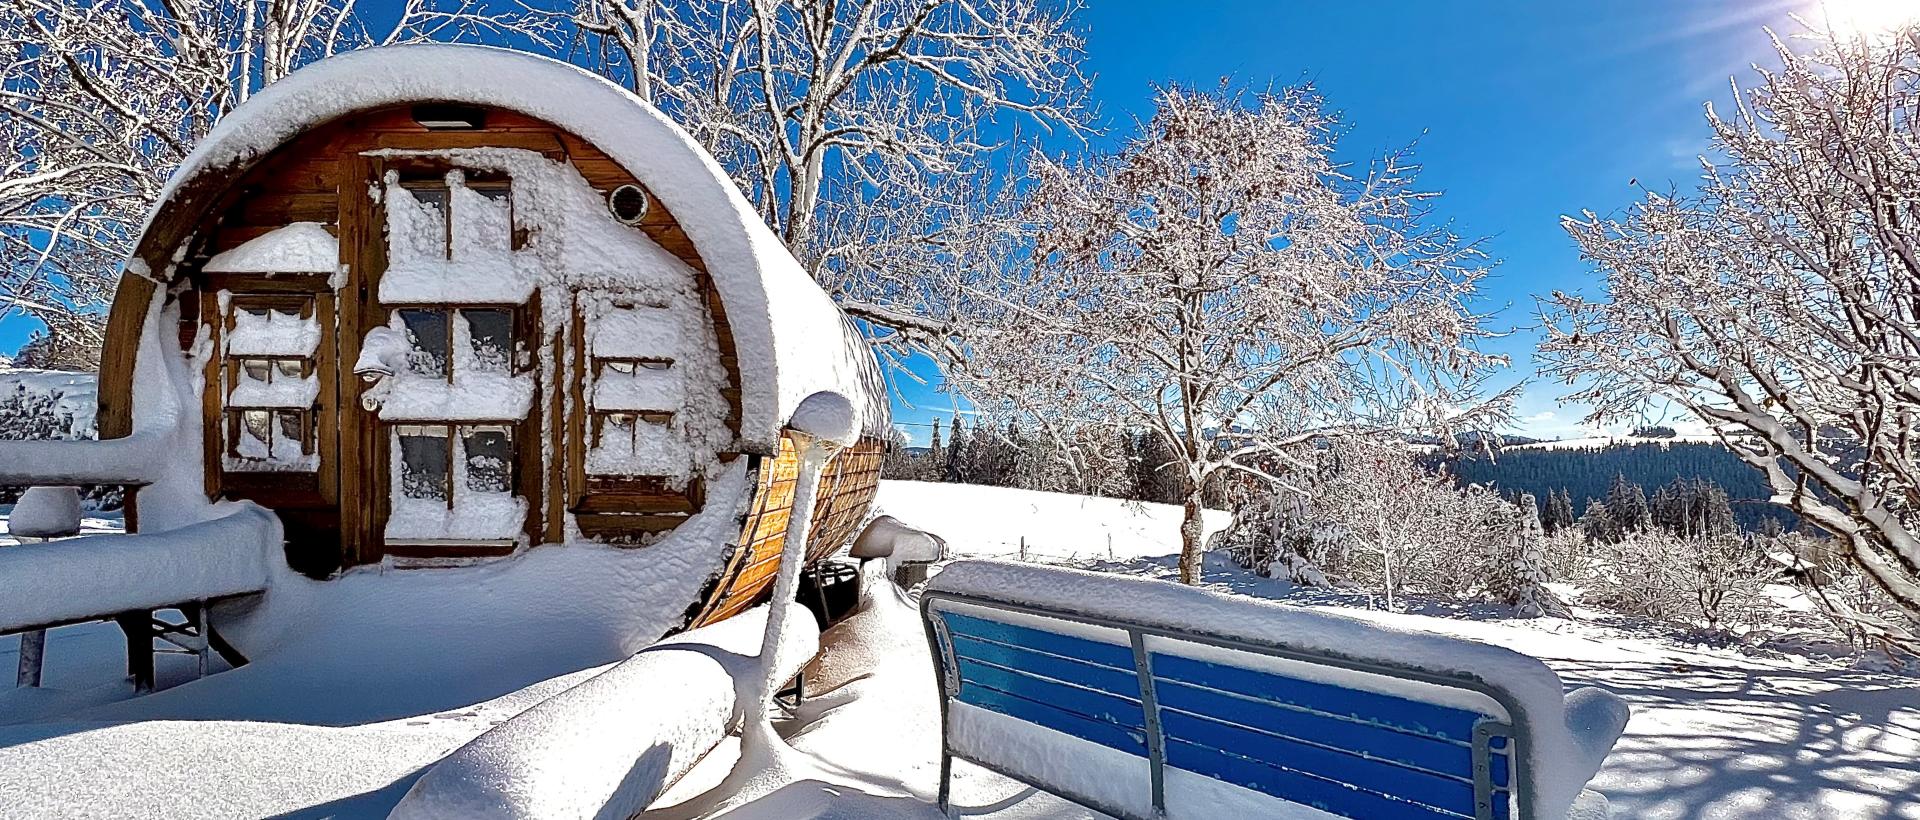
{"points": [[847, 487]]}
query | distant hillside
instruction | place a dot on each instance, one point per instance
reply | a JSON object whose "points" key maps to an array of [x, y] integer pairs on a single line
{"points": [[1585, 467]]}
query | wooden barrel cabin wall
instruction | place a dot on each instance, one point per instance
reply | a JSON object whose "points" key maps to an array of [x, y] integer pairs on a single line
{"points": [[284, 422]]}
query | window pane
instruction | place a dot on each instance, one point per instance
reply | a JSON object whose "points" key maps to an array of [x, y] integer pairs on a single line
{"points": [[427, 332], [495, 191], [423, 462], [259, 370], [624, 368], [417, 223], [256, 429], [491, 332], [289, 368], [293, 433], [489, 452]]}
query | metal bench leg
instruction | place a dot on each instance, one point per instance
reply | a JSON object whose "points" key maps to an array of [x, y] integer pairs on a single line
{"points": [[202, 647], [33, 654], [946, 780]]}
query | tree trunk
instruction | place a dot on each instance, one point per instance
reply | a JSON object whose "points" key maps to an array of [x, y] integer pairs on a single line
{"points": [[1192, 538]]}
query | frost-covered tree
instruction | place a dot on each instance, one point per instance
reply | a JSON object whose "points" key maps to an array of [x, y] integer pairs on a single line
{"points": [[856, 126], [1598, 523], [1223, 283], [1778, 304], [101, 99], [1521, 570]]}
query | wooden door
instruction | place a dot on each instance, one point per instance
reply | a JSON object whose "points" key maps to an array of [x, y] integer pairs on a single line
{"points": [[444, 422]]}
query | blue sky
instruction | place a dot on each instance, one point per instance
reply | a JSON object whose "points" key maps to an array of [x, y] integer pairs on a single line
{"points": [[1524, 111]]}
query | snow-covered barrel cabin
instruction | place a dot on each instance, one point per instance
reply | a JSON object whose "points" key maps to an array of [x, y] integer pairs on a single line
{"points": [[451, 308]]}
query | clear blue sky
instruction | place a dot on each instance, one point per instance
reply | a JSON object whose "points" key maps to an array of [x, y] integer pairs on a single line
{"points": [[1524, 111]]}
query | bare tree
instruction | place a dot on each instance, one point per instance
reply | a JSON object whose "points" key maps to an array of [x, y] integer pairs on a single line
{"points": [[101, 99], [1224, 284], [857, 127], [1781, 304]]}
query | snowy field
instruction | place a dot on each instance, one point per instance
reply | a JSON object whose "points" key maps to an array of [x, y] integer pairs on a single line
{"points": [[1716, 732]]}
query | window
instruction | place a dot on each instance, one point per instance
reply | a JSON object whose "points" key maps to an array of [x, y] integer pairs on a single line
{"points": [[442, 463], [270, 385], [635, 389], [467, 340]]}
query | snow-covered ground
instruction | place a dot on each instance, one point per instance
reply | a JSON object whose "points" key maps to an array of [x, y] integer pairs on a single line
{"points": [[997, 522], [1716, 732]]}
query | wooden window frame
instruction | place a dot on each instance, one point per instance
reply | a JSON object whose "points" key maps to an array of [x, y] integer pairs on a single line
{"points": [[453, 430], [304, 306]]}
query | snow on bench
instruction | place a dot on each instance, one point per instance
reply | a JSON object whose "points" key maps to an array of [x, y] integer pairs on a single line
{"points": [[611, 745], [1144, 699], [98, 576]]}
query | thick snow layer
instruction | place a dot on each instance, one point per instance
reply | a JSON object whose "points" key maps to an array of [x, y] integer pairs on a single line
{"points": [[638, 332], [46, 512], [885, 537], [609, 746], [100, 575], [84, 767], [476, 266], [1566, 755], [793, 342], [995, 522], [827, 416], [469, 397], [302, 247], [166, 422], [271, 333]]}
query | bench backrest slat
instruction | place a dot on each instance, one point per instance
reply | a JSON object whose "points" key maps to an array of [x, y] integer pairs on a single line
{"points": [[1432, 754], [1396, 713], [1327, 795], [1063, 682]]}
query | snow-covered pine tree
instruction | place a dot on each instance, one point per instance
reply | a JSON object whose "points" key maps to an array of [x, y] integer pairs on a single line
{"points": [[1559, 511], [1526, 568], [1627, 506], [1598, 523]]}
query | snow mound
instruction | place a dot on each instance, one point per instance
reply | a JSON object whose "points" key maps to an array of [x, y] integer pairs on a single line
{"points": [[100, 575], [302, 247], [609, 746]]}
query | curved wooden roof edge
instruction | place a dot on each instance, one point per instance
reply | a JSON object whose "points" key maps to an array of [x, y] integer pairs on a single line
{"points": [[768, 295]]}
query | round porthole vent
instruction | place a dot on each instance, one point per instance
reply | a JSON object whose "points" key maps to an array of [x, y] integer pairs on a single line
{"points": [[628, 204]]}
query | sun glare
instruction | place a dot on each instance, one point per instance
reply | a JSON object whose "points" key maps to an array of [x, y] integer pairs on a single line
{"points": [[1866, 17]]}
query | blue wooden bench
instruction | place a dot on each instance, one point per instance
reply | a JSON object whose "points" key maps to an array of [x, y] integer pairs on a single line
{"points": [[1211, 726]]}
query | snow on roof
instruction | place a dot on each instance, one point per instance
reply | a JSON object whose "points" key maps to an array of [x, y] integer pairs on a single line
{"points": [[782, 321], [302, 247]]}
